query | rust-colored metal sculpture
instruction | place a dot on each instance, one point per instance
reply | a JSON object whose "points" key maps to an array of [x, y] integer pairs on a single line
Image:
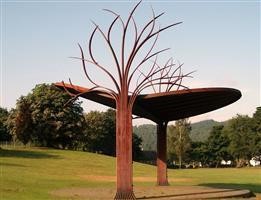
{"points": [[160, 107], [127, 69], [164, 107], [162, 176]]}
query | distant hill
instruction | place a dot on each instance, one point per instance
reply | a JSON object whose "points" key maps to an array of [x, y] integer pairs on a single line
{"points": [[148, 134], [200, 132]]}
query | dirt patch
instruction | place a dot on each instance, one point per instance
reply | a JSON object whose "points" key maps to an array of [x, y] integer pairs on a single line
{"points": [[86, 193], [99, 178], [152, 192], [135, 179]]}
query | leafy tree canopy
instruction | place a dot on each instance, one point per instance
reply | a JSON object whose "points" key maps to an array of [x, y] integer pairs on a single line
{"points": [[42, 118], [4, 134]]}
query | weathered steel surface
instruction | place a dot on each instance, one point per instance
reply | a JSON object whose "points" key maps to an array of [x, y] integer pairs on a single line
{"points": [[162, 179], [168, 106], [159, 107]]}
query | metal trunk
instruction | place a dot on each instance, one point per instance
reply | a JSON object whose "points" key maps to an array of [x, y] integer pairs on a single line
{"points": [[124, 149], [162, 178]]}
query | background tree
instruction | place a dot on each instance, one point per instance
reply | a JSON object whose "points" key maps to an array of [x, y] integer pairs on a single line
{"points": [[19, 122], [42, 118], [4, 134], [240, 131], [136, 147], [257, 129], [217, 145], [199, 154], [99, 134], [179, 140]]}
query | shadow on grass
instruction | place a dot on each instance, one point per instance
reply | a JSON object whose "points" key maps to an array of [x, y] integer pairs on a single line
{"points": [[256, 188], [26, 154], [11, 165], [187, 194]]}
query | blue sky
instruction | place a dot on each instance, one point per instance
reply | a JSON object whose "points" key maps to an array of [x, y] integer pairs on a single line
{"points": [[219, 39]]}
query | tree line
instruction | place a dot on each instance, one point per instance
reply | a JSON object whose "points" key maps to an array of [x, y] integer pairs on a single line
{"points": [[45, 118], [237, 141]]}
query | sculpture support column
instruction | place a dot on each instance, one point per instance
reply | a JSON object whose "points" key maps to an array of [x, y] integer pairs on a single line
{"points": [[124, 150], [162, 178]]}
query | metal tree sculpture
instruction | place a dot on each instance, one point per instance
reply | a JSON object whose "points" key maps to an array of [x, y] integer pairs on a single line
{"points": [[127, 70]]}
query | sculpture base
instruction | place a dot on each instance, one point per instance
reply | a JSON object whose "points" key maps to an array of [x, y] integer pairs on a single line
{"points": [[124, 195], [163, 184]]}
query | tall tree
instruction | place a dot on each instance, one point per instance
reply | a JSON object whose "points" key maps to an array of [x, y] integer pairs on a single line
{"points": [[19, 122], [240, 131], [42, 118], [257, 129], [179, 140], [217, 145], [99, 134], [4, 134]]}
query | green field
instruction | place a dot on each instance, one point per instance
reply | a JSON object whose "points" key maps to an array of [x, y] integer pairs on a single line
{"points": [[36, 174]]}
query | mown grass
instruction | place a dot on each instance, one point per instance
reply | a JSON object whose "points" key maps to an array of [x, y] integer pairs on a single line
{"points": [[29, 174]]}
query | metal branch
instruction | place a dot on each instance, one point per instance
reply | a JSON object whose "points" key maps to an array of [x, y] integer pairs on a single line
{"points": [[132, 55], [147, 39], [178, 68], [114, 56], [84, 66], [124, 36], [117, 15], [143, 61]]}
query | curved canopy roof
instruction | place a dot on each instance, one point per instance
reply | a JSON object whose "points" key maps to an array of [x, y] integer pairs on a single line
{"points": [[167, 106]]}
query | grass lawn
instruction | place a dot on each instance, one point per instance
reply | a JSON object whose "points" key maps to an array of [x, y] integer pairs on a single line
{"points": [[33, 174]]}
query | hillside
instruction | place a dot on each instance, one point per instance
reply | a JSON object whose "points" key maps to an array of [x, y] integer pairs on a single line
{"points": [[48, 174], [148, 134], [200, 132]]}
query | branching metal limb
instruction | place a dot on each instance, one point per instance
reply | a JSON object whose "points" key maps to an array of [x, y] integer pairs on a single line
{"points": [[180, 79], [142, 62], [153, 69], [100, 89], [135, 28], [147, 81], [164, 83], [66, 90], [150, 80], [173, 73], [179, 83], [74, 96], [107, 91], [157, 81], [166, 71], [110, 28], [162, 29], [84, 66], [134, 51], [124, 38], [117, 15], [88, 77], [114, 56], [171, 85], [90, 44], [137, 92], [149, 37]]}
